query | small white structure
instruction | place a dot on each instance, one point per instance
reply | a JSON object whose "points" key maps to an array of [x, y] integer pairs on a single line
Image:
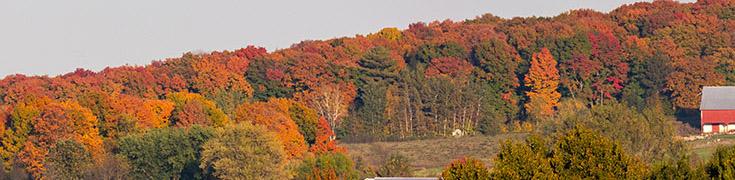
{"points": [[458, 133]]}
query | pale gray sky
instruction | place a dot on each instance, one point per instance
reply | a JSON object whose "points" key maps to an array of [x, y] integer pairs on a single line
{"points": [[55, 37]]}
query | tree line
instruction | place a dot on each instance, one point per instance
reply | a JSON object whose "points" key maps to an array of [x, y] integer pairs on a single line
{"points": [[582, 153], [621, 72]]}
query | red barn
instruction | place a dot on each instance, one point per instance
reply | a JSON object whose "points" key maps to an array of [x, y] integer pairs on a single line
{"points": [[717, 109]]}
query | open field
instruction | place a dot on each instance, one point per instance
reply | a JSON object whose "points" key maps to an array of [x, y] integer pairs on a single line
{"points": [[705, 147], [428, 157]]}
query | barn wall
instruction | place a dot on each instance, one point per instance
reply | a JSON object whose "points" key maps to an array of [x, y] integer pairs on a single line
{"points": [[706, 128], [718, 116]]}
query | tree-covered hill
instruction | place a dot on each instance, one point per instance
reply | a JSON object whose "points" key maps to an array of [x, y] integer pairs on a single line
{"points": [[621, 72]]}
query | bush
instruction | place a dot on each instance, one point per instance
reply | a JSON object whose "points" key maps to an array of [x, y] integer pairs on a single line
{"points": [[396, 166], [465, 168], [329, 166]]}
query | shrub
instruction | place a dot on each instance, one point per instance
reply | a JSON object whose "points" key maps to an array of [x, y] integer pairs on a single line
{"points": [[466, 168], [396, 166], [329, 166]]}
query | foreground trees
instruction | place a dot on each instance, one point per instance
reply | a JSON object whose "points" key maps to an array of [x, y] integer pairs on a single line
{"points": [[721, 166], [244, 151], [466, 168], [329, 166], [646, 133], [579, 154], [166, 153]]}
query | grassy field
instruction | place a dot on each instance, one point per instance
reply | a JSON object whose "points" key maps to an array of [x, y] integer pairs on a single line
{"points": [[428, 157], [705, 147]]}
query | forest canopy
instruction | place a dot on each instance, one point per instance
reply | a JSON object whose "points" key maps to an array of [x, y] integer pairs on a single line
{"points": [[629, 68]]}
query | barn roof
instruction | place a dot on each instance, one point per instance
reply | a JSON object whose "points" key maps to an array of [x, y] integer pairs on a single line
{"points": [[718, 98]]}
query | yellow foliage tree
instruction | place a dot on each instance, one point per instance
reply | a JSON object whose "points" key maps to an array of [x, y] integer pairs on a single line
{"points": [[85, 126], [389, 33], [160, 112]]}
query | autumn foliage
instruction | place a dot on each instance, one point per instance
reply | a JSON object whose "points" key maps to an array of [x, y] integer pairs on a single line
{"points": [[325, 142], [275, 116], [484, 75], [542, 80]]}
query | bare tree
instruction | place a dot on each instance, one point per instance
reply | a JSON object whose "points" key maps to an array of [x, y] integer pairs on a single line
{"points": [[327, 100], [111, 167]]}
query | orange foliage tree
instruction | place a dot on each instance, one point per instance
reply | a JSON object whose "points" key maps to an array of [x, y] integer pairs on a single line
{"points": [[192, 108], [56, 121], [111, 109], [157, 114], [274, 115], [686, 82], [542, 80]]}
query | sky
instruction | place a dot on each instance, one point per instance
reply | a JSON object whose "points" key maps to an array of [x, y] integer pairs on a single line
{"points": [[56, 37]]}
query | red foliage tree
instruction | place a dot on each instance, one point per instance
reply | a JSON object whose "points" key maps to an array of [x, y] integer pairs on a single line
{"points": [[448, 66], [325, 142]]}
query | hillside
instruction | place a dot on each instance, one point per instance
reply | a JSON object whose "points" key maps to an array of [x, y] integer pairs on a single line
{"points": [[429, 156], [626, 74]]}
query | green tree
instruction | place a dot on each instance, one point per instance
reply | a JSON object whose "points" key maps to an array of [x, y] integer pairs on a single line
{"points": [[369, 115], [722, 166], [21, 124], [267, 77], [327, 166], [500, 61], [396, 166], [244, 151], [172, 153], [621, 123], [465, 168], [377, 65], [529, 160], [583, 153], [67, 159], [578, 154], [306, 119], [429, 51], [679, 169]]}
